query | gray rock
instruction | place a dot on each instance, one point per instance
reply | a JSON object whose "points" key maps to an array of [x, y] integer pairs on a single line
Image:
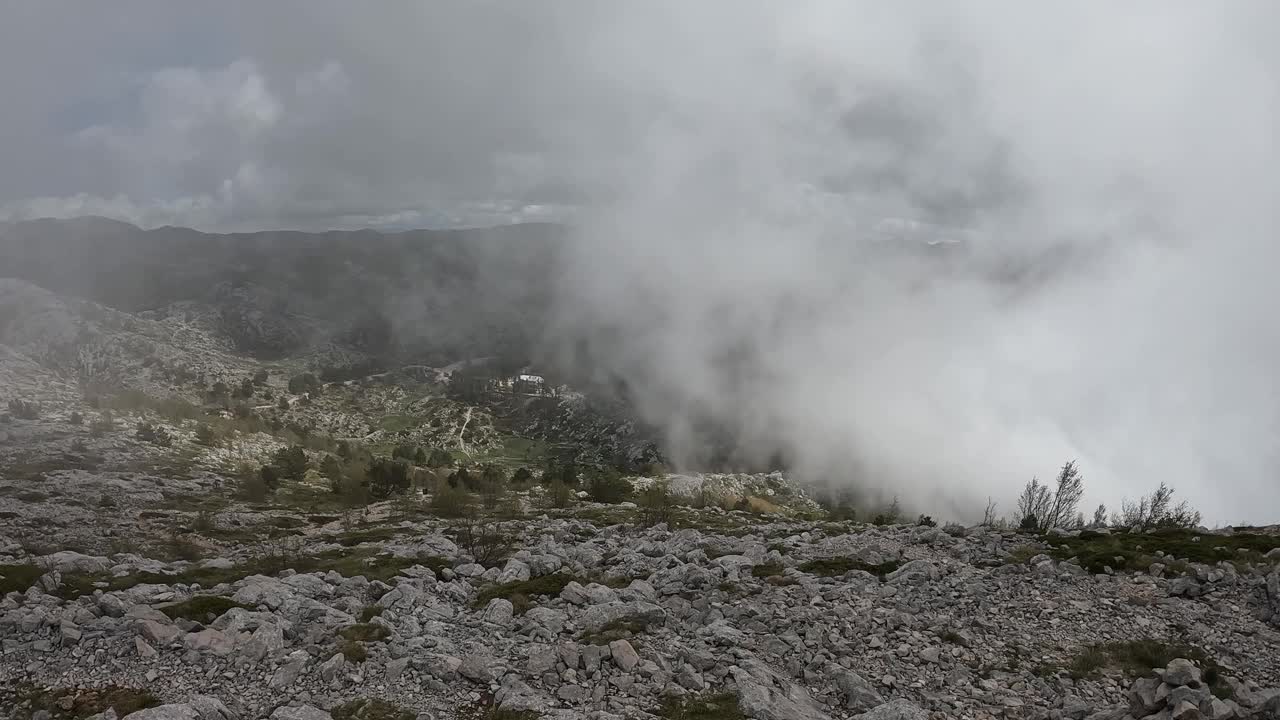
{"points": [[859, 695], [301, 712], [396, 668], [499, 612], [209, 641], [624, 655], [542, 658], [916, 571], [211, 708], [575, 593], [330, 669], [643, 613], [1182, 672], [144, 650], [765, 695], [1184, 587], [176, 711], [158, 633], [477, 667], [287, 674], [895, 710], [1145, 698]]}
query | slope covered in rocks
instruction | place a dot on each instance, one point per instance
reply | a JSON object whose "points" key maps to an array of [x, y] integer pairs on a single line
{"points": [[588, 612]]}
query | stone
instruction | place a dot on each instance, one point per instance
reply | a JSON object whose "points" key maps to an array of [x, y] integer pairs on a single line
{"points": [[330, 669], [499, 612], [895, 710], [542, 658], [642, 613], [1144, 698], [1185, 711], [157, 633], [144, 650], [176, 711], [209, 641], [624, 655], [396, 668], [859, 695], [300, 712], [1182, 672]]}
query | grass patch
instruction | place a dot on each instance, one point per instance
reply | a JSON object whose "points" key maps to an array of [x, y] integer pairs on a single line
{"points": [[201, 608], [365, 632], [1137, 658], [1137, 551], [370, 709], [1022, 554], [616, 630], [353, 651], [399, 423], [522, 590], [370, 612], [288, 523], [372, 535], [720, 706], [72, 703], [838, 566], [348, 563], [17, 578]]}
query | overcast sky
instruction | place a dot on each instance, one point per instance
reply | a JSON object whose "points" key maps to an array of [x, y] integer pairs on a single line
{"points": [[716, 157]]}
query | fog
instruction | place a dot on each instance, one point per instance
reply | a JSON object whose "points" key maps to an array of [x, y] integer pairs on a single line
{"points": [[739, 175]]}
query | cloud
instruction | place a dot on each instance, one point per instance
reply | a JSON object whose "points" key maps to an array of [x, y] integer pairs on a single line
{"points": [[729, 166]]}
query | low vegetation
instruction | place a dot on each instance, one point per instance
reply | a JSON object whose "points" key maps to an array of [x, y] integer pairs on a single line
{"points": [[365, 632], [370, 709], [1138, 551], [29, 701], [719, 706], [1137, 658], [838, 566], [201, 608], [520, 591]]}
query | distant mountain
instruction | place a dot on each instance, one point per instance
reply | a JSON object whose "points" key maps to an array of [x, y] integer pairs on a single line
{"points": [[453, 294]]}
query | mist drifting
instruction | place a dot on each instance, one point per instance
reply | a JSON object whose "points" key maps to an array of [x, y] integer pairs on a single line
{"points": [[1109, 169]]}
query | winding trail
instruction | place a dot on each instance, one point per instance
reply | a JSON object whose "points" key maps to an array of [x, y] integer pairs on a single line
{"points": [[462, 444]]}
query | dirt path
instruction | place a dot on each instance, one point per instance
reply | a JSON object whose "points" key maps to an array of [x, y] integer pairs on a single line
{"points": [[462, 444]]}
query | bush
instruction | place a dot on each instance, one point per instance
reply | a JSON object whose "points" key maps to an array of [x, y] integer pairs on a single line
{"points": [[269, 477], [492, 485], [1042, 509], [655, 504], [450, 501], [207, 436], [926, 521], [147, 432], [304, 383], [440, 459], [76, 419], [24, 410], [291, 463], [560, 494], [1157, 510], [387, 477], [890, 515], [607, 486], [483, 540], [523, 476], [105, 423]]}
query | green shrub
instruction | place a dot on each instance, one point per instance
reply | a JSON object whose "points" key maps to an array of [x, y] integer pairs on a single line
{"points": [[290, 463], [201, 608], [147, 432], [607, 486]]}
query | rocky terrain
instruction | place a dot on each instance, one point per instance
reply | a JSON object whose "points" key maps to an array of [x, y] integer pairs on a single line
{"points": [[225, 494], [597, 611]]}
